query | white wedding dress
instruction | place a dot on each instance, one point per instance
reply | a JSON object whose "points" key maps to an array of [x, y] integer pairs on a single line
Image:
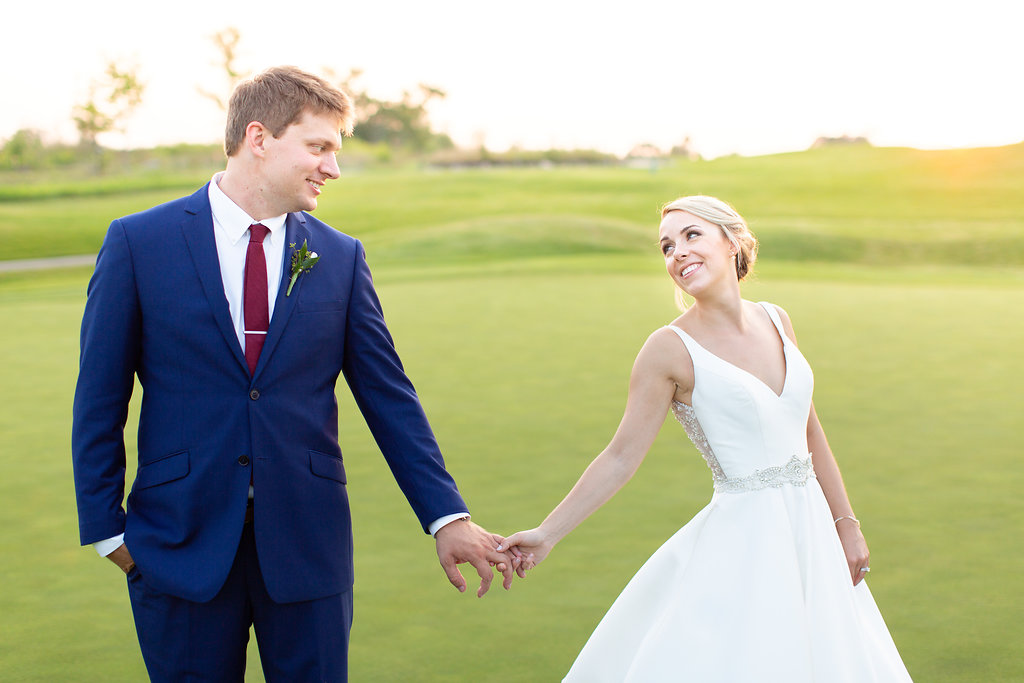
{"points": [[755, 588]]}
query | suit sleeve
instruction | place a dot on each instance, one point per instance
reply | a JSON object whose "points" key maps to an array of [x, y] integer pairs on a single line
{"points": [[110, 343], [390, 406]]}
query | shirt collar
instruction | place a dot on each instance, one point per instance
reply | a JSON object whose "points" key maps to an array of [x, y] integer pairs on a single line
{"points": [[232, 218]]}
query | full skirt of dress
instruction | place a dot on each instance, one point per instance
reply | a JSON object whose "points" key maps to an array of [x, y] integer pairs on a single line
{"points": [[755, 588]]}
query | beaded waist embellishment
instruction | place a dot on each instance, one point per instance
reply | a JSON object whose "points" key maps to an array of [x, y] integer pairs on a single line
{"points": [[795, 472]]}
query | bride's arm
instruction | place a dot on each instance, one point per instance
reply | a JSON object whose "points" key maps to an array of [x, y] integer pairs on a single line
{"points": [[651, 387], [827, 471], [831, 480]]}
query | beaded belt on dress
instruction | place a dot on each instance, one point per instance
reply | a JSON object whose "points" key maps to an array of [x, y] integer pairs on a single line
{"points": [[796, 472]]}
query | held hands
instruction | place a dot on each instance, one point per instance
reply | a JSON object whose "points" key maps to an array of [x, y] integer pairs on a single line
{"points": [[463, 541], [532, 546]]}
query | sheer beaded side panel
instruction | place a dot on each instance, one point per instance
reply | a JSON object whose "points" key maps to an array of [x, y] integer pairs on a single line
{"points": [[687, 417], [797, 470]]}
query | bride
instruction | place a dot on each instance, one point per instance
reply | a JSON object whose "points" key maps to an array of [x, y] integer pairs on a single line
{"points": [[766, 583]]}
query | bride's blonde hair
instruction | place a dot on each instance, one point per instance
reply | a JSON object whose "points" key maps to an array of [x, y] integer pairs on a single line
{"points": [[733, 226]]}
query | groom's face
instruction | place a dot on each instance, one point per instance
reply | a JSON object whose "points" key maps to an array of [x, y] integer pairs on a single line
{"points": [[300, 161]]}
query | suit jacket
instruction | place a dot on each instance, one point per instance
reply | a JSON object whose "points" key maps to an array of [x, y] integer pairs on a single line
{"points": [[156, 309]]}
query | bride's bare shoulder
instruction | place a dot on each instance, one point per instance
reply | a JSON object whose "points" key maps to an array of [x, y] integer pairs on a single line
{"points": [[667, 340], [665, 354]]}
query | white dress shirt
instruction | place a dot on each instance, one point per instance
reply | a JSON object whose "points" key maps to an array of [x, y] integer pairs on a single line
{"points": [[231, 231], [230, 226]]}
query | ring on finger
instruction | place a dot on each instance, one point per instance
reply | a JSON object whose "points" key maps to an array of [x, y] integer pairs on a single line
{"points": [[865, 569]]}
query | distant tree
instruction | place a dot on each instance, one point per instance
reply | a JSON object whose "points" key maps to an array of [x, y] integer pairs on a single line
{"points": [[402, 123], [25, 149], [29, 149], [112, 98], [226, 42]]}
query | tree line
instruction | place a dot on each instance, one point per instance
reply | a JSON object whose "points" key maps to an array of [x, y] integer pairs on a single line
{"points": [[385, 129], [114, 96]]}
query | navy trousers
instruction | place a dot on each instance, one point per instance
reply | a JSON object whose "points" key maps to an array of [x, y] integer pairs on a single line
{"points": [[191, 641]]}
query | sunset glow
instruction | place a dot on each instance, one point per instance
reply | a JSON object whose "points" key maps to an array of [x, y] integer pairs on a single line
{"points": [[734, 76]]}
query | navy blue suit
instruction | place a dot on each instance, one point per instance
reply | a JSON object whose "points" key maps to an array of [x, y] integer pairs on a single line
{"points": [[156, 309]]}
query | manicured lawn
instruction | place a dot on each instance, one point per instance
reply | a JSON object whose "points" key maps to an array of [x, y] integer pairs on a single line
{"points": [[522, 367], [843, 205], [519, 299]]}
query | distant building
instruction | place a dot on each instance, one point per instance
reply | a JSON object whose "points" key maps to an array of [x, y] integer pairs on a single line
{"points": [[685, 150], [825, 141], [646, 156], [645, 150]]}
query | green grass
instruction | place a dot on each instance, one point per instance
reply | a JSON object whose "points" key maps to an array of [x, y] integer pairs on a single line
{"points": [[523, 374], [845, 205], [55, 185], [518, 300]]}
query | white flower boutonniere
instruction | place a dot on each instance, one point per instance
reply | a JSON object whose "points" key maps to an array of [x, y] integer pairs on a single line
{"points": [[303, 261]]}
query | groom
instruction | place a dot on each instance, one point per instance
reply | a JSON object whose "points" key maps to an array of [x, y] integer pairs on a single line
{"points": [[239, 512]]}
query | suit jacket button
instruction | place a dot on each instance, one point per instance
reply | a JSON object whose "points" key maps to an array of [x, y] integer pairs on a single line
{"points": [[243, 460], [254, 395]]}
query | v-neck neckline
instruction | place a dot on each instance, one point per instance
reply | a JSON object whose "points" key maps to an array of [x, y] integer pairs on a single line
{"points": [[758, 380]]}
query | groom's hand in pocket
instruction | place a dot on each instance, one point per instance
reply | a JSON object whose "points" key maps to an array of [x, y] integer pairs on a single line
{"points": [[463, 541], [122, 558]]}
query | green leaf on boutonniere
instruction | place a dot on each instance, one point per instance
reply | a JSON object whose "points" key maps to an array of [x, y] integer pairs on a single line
{"points": [[303, 261]]}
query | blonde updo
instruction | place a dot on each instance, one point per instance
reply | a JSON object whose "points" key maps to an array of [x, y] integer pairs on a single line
{"points": [[733, 226]]}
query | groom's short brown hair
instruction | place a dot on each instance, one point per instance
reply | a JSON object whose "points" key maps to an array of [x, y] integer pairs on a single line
{"points": [[277, 98]]}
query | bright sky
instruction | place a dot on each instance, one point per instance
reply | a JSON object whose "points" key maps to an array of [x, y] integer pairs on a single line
{"points": [[746, 76]]}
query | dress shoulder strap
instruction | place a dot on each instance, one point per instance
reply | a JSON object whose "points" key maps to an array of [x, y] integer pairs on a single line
{"points": [[689, 342], [773, 313]]}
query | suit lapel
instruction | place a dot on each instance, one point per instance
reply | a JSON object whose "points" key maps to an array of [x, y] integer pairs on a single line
{"points": [[198, 231], [296, 233]]}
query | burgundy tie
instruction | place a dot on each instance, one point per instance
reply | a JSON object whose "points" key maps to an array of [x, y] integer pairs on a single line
{"points": [[254, 295]]}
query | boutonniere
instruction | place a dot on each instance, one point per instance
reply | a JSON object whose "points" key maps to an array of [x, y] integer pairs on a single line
{"points": [[303, 261]]}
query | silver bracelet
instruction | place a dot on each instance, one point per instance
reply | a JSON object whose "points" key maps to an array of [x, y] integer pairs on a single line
{"points": [[849, 517]]}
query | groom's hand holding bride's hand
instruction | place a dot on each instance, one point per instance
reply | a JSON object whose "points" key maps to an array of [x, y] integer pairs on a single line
{"points": [[532, 546], [463, 541]]}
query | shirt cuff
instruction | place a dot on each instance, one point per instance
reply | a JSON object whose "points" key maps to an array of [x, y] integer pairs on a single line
{"points": [[108, 546], [436, 525]]}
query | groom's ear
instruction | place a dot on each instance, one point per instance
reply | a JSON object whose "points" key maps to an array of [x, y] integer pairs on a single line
{"points": [[256, 135]]}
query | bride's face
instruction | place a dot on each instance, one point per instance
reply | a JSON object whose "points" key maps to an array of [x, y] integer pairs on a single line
{"points": [[697, 254]]}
